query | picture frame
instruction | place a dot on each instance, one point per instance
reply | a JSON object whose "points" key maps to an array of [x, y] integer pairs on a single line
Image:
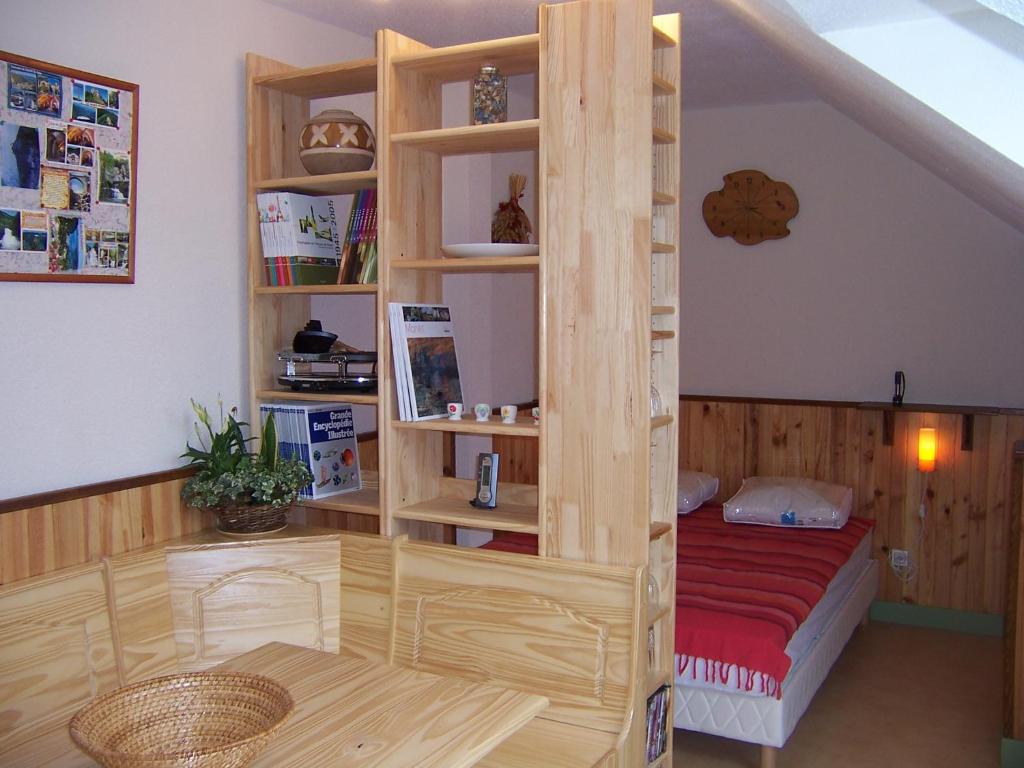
{"points": [[68, 169]]}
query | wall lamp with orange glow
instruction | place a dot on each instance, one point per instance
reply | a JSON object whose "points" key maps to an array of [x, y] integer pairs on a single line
{"points": [[926, 443]]}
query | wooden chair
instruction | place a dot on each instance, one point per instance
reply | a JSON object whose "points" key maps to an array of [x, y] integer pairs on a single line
{"points": [[566, 630]]}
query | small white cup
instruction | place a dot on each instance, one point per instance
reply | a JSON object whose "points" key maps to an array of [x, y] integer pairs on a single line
{"points": [[455, 411], [508, 414], [482, 411]]}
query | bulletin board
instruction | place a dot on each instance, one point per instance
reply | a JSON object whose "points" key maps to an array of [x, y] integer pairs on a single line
{"points": [[68, 161]]}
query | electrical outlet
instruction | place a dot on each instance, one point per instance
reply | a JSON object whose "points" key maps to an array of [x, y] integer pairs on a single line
{"points": [[899, 558]]}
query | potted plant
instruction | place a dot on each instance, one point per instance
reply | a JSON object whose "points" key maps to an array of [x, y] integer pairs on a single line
{"points": [[250, 492]]}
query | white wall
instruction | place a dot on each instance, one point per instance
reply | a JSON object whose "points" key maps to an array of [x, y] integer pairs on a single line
{"points": [[96, 378], [887, 268]]}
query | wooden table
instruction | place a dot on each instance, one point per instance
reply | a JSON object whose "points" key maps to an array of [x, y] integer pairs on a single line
{"points": [[350, 712]]}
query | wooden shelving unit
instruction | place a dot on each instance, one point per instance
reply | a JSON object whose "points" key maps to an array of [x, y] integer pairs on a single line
{"points": [[475, 264], [589, 260]]}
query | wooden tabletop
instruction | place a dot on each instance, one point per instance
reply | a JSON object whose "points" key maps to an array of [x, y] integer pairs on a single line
{"points": [[354, 713]]}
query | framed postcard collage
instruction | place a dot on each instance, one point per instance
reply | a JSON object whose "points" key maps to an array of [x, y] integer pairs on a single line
{"points": [[68, 155]]}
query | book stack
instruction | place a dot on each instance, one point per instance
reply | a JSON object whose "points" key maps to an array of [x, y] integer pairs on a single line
{"points": [[299, 233], [657, 723], [359, 251], [426, 366], [323, 436]]}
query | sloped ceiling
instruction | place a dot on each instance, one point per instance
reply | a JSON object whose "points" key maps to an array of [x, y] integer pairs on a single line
{"points": [[745, 52]]}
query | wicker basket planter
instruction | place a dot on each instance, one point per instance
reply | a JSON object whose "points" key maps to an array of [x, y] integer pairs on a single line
{"points": [[251, 519], [193, 720]]}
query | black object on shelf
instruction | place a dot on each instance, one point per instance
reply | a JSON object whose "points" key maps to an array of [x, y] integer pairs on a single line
{"points": [[313, 339]]}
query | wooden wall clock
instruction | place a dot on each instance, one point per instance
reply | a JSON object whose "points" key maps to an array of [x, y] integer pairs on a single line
{"points": [[750, 207]]}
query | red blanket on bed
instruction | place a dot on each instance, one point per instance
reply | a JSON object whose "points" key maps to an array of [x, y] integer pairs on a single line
{"points": [[742, 590]]}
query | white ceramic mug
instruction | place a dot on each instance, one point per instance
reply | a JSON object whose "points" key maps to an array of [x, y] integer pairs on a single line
{"points": [[455, 411], [508, 414], [482, 411]]}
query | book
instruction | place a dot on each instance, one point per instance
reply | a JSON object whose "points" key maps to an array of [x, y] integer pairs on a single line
{"points": [[397, 328], [299, 234], [360, 238], [423, 345], [322, 436]]}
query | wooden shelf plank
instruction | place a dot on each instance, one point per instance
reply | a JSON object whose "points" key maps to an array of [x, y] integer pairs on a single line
{"points": [[358, 76], [662, 310], [317, 397], [365, 501], [524, 427], [661, 136], [663, 87], [662, 335], [457, 511], [512, 55], [316, 290], [474, 139], [657, 247], [476, 264], [664, 198], [659, 529], [657, 422], [662, 39], [659, 614], [326, 184]]}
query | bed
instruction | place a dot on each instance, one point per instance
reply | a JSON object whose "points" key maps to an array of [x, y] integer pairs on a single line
{"points": [[729, 699], [806, 626]]}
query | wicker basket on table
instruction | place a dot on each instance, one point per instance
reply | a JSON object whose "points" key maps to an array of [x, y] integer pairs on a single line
{"points": [[246, 519], [191, 720]]}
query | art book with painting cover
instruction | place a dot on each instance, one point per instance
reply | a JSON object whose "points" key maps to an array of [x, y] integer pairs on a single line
{"points": [[423, 342], [322, 436], [300, 237]]}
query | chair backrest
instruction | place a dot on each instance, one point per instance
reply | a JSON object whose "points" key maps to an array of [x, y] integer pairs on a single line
{"points": [[566, 630], [57, 653]]}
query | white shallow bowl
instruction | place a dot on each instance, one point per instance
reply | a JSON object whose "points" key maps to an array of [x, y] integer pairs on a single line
{"points": [[469, 250]]}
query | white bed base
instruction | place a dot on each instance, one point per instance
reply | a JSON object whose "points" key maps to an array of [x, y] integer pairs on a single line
{"points": [[766, 720]]}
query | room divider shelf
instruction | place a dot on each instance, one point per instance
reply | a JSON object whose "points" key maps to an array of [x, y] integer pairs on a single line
{"points": [[315, 290], [662, 335], [317, 397], [512, 55], [507, 516], [475, 264], [663, 198], [663, 87], [659, 309], [326, 184], [657, 422], [661, 136], [344, 79], [513, 136], [470, 426], [365, 501], [662, 248]]}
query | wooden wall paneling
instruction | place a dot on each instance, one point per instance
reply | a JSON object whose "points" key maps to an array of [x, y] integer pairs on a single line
{"points": [[140, 609], [58, 653], [43, 539], [996, 527], [962, 553], [227, 599], [1013, 649], [978, 512], [366, 595]]}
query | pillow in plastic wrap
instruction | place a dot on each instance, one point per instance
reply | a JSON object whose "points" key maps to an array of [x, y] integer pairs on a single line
{"points": [[790, 501], [694, 489]]}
